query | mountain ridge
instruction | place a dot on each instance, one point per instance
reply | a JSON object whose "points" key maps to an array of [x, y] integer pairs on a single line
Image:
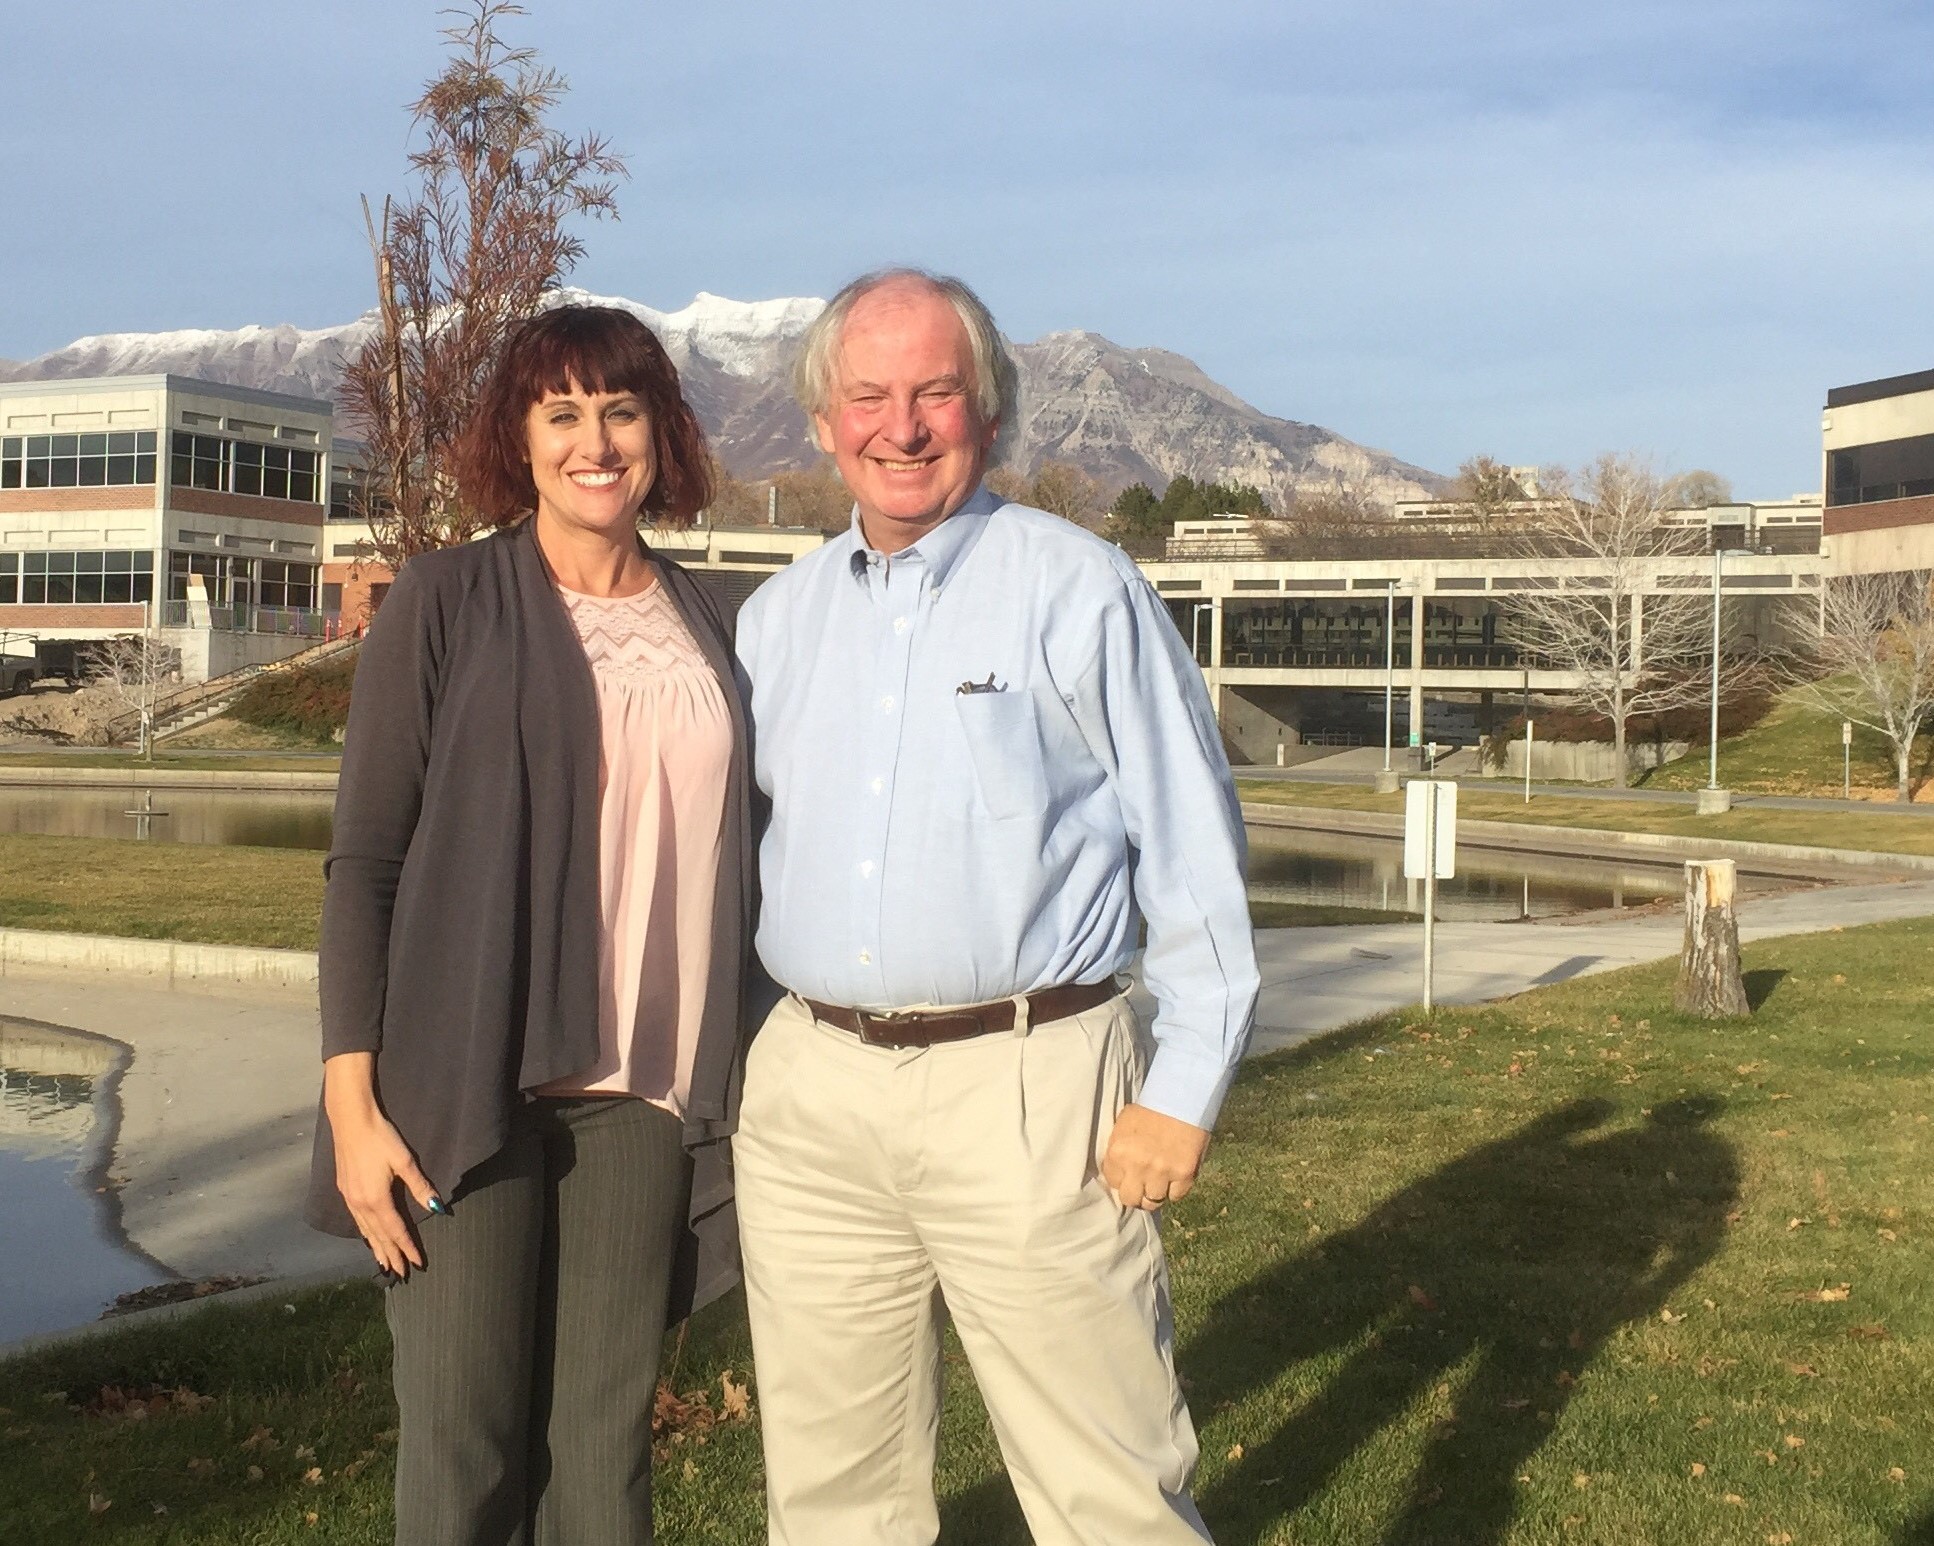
{"points": [[1122, 414]]}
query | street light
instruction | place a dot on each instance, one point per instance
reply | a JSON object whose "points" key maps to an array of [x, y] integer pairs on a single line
{"points": [[1714, 801], [1389, 664]]}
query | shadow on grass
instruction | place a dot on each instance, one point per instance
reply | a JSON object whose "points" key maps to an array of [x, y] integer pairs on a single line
{"points": [[1918, 1531], [1527, 1254], [1761, 985]]}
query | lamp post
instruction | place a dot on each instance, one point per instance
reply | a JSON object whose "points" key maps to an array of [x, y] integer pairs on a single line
{"points": [[1195, 628], [1387, 779], [1714, 801]]}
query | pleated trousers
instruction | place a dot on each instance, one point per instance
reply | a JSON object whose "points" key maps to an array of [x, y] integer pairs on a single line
{"points": [[526, 1349], [880, 1191]]}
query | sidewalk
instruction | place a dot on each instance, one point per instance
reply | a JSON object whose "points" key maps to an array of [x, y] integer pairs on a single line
{"points": [[1314, 980]]}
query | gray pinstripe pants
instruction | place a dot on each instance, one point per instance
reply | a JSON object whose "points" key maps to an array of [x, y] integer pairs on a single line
{"points": [[527, 1348]]}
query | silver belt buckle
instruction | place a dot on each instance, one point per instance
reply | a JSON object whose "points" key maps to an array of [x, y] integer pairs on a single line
{"points": [[867, 1017]]}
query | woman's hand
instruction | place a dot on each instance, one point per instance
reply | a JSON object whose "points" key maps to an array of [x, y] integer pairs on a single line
{"points": [[371, 1158]]}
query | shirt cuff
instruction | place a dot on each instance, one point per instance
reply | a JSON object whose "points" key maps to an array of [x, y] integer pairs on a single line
{"points": [[1189, 1088]]}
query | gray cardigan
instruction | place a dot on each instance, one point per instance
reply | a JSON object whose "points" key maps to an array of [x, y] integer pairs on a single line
{"points": [[460, 923]]}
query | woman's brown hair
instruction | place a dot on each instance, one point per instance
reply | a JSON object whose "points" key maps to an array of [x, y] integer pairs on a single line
{"points": [[599, 349]]}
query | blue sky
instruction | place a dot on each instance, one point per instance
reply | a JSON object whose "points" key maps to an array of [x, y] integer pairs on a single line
{"points": [[1539, 230]]}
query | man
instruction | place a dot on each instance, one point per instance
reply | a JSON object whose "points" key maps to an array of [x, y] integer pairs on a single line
{"points": [[989, 758]]}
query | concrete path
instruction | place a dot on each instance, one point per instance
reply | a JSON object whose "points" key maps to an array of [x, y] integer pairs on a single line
{"points": [[218, 1100], [217, 1110], [1317, 979]]}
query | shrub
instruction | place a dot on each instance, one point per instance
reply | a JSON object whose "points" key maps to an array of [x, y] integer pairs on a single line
{"points": [[311, 702]]}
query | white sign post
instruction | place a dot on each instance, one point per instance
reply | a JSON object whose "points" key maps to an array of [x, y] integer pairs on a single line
{"points": [[1430, 855], [1846, 759]]}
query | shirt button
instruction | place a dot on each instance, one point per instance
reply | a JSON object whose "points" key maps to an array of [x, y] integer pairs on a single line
{"points": [[899, 625], [878, 786], [866, 868], [866, 958], [886, 704]]}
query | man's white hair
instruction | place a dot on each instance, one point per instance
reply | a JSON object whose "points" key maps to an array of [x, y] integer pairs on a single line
{"points": [[997, 380]]}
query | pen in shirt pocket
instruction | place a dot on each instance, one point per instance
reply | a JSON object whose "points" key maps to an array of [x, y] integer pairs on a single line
{"points": [[968, 688]]}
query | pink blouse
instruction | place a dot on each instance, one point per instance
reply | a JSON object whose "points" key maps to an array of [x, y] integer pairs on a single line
{"points": [[667, 749]]}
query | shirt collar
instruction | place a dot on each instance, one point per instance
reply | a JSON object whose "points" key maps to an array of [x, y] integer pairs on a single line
{"points": [[942, 548]]}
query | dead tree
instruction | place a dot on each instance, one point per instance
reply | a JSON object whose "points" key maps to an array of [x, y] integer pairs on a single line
{"points": [[478, 248], [1710, 985]]}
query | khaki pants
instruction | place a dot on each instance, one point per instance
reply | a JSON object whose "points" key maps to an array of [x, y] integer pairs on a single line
{"points": [[871, 1184]]}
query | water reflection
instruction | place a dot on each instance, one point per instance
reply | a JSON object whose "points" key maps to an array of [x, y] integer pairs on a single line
{"points": [[281, 819], [1351, 871], [58, 1119]]}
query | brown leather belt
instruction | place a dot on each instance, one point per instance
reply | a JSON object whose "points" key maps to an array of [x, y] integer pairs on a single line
{"points": [[905, 1028]]}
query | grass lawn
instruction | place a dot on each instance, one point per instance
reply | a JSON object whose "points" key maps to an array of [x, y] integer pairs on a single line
{"points": [[1565, 1270], [1795, 749], [1878, 833], [190, 891]]}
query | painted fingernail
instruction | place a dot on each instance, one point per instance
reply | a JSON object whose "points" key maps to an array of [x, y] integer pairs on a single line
{"points": [[436, 1206]]}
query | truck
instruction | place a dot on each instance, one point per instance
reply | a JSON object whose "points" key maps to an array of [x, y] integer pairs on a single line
{"points": [[24, 661]]}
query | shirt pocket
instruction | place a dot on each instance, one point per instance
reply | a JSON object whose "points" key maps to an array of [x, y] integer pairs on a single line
{"points": [[1003, 735]]}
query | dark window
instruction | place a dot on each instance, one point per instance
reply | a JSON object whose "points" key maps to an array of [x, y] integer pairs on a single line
{"points": [[9, 579], [77, 461], [1887, 469], [86, 578], [242, 467]]}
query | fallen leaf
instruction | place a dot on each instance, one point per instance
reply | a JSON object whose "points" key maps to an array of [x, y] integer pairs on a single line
{"points": [[201, 1466], [1896, 1474], [1235, 1452], [1422, 1300], [313, 1476], [260, 1438], [1887, 1235], [255, 1473], [1734, 1499], [305, 1452], [1698, 1468], [1797, 1223], [690, 1470], [96, 1504], [1806, 1371], [1669, 1318], [312, 1517], [1794, 1441], [737, 1402], [1836, 1295], [1873, 1333], [1580, 1480]]}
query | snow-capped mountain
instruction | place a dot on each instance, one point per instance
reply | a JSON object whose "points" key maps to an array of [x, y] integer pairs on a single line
{"points": [[1123, 415]]}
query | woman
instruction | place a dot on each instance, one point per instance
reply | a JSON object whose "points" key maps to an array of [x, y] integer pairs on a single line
{"points": [[533, 939]]}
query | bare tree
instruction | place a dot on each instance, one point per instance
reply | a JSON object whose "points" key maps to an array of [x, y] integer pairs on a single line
{"points": [[1701, 490], [474, 251], [1630, 647], [1487, 486], [1873, 662], [1063, 489], [133, 667]]}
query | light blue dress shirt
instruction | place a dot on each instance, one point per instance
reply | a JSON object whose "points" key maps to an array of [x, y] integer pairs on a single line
{"points": [[933, 846]]}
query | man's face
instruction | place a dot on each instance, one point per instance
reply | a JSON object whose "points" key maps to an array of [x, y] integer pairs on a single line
{"points": [[903, 426]]}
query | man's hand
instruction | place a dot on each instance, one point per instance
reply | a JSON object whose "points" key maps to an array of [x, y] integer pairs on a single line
{"points": [[1152, 1159]]}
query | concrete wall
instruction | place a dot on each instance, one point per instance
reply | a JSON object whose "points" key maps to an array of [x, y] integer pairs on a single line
{"points": [[212, 652], [1588, 762], [1256, 719]]}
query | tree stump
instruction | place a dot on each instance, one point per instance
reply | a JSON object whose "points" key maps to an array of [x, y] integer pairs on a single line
{"points": [[1710, 986]]}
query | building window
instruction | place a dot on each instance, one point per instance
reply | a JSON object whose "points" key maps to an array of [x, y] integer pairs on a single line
{"points": [[9, 579], [1887, 469], [241, 467], [236, 581], [77, 461], [82, 579]]}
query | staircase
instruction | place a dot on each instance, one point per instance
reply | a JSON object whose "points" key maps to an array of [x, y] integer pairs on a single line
{"points": [[189, 706]]}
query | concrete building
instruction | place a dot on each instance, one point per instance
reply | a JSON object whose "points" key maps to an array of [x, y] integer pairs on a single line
{"points": [[162, 502], [1877, 456]]}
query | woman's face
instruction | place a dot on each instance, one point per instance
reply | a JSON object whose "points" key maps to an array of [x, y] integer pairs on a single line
{"points": [[591, 458]]}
